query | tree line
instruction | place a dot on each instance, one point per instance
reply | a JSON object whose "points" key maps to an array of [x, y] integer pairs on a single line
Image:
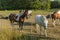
{"points": [[24, 4], [55, 4]]}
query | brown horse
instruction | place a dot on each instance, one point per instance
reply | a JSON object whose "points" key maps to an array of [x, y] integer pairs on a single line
{"points": [[12, 18], [55, 16], [22, 19]]}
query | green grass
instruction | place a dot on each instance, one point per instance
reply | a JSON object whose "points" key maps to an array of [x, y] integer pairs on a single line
{"points": [[11, 34], [7, 34], [4, 13]]}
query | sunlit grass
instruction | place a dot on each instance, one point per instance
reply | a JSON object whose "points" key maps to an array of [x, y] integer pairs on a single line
{"points": [[4, 13], [9, 33]]}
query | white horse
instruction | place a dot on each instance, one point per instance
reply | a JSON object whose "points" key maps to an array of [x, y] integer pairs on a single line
{"points": [[41, 21]]}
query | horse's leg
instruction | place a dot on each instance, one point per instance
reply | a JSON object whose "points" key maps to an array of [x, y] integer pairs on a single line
{"points": [[54, 22], [45, 32], [21, 25], [40, 30], [58, 21], [11, 22], [30, 15], [52, 19], [34, 27], [37, 29]]}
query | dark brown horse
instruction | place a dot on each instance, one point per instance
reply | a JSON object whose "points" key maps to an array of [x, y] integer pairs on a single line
{"points": [[55, 16], [22, 19], [12, 18]]}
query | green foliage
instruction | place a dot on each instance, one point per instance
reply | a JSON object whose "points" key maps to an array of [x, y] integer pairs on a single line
{"points": [[35, 4], [45, 5], [24, 4], [55, 4]]}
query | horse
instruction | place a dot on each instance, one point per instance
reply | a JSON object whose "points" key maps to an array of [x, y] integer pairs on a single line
{"points": [[20, 13], [55, 16], [20, 19], [41, 20]]}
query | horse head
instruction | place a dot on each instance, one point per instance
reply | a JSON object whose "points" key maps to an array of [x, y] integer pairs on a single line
{"points": [[49, 16], [28, 13]]}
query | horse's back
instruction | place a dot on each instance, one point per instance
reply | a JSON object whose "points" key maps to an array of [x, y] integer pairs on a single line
{"points": [[40, 18], [18, 15], [56, 14], [37, 18]]}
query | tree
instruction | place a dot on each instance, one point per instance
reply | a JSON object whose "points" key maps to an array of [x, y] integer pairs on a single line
{"points": [[34, 4], [25, 4]]}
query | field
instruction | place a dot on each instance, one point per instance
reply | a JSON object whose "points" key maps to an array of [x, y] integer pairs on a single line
{"points": [[7, 32]]}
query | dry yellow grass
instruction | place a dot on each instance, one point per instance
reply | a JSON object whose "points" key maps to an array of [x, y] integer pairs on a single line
{"points": [[7, 32]]}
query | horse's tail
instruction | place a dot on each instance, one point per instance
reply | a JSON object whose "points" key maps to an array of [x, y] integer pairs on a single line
{"points": [[2, 17], [54, 12], [6, 17]]}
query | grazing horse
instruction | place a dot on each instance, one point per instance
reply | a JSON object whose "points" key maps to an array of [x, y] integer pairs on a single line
{"points": [[55, 16], [41, 21], [19, 18]]}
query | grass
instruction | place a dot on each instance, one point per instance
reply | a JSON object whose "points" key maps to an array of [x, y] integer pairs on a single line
{"points": [[4, 13], [7, 32], [9, 35]]}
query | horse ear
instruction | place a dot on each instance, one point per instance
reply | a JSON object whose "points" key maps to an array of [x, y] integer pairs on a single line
{"points": [[26, 12]]}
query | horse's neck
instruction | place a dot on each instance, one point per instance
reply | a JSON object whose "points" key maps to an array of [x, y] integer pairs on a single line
{"points": [[44, 18], [55, 12], [23, 15]]}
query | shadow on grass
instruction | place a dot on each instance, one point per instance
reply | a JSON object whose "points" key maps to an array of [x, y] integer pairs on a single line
{"points": [[33, 37], [26, 24]]}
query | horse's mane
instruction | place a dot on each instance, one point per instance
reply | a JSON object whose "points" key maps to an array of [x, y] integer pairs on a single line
{"points": [[55, 11]]}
